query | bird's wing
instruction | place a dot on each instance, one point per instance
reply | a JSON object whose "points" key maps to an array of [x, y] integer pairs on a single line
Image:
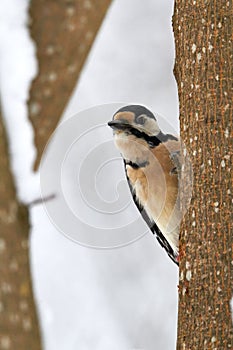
{"points": [[152, 225], [176, 160]]}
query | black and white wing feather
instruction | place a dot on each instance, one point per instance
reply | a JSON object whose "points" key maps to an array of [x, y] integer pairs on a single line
{"points": [[151, 224]]}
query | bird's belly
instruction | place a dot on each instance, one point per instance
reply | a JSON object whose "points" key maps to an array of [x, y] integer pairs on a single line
{"points": [[159, 211]]}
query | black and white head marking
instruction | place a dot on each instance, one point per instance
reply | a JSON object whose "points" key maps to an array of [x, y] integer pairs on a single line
{"points": [[139, 121]]}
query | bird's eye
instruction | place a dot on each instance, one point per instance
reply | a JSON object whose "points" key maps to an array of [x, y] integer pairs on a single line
{"points": [[141, 119]]}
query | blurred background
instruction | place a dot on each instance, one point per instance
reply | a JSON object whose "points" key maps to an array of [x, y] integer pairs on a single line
{"points": [[124, 298]]}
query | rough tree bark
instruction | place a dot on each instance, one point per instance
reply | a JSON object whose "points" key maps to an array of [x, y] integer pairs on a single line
{"points": [[203, 69], [64, 31]]}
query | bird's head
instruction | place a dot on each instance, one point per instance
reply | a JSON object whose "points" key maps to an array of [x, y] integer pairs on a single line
{"points": [[135, 120], [135, 130]]}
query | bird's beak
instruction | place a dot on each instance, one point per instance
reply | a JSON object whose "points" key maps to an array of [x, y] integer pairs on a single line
{"points": [[119, 124]]}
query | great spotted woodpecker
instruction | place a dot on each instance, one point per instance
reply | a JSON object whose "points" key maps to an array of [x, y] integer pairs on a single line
{"points": [[151, 172]]}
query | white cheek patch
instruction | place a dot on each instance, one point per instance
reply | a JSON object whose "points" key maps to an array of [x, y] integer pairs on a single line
{"points": [[151, 127]]}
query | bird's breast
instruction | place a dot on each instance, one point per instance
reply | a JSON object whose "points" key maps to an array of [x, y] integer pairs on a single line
{"points": [[139, 184], [157, 194]]}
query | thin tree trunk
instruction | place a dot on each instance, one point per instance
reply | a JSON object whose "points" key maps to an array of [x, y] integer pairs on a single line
{"points": [[203, 69], [18, 321]]}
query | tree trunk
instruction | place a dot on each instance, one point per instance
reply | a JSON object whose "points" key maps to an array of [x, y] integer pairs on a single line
{"points": [[18, 321], [203, 70]]}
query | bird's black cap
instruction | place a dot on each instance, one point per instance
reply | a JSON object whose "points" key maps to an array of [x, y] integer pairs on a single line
{"points": [[137, 110]]}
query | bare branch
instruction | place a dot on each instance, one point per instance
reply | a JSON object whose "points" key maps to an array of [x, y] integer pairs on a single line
{"points": [[64, 32]]}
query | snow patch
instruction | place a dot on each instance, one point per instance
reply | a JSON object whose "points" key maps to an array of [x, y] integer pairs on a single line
{"points": [[18, 67]]}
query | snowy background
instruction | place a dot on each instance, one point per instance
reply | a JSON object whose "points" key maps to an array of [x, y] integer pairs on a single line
{"points": [[123, 298]]}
